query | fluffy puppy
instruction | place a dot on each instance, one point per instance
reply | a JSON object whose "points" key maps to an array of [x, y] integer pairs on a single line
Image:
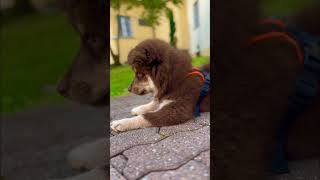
{"points": [[252, 88], [163, 71]]}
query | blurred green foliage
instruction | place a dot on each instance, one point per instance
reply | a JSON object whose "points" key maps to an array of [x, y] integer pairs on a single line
{"points": [[284, 7], [35, 51]]}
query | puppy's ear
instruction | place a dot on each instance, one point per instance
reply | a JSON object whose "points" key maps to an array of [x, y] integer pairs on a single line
{"points": [[152, 57]]}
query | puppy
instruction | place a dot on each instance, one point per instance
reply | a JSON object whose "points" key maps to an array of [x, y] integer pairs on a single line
{"points": [[86, 80], [252, 88], [163, 71]]}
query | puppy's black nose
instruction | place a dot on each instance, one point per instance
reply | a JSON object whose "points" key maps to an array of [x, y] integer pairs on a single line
{"points": [[62, 87]]}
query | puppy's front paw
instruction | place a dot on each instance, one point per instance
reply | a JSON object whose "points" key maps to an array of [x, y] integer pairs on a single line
{"points": [[120, 125], [130, 123]]}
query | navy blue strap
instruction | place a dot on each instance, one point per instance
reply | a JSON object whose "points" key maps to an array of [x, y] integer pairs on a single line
{"points": [[203, 93], [306, 89], [103, 3]]}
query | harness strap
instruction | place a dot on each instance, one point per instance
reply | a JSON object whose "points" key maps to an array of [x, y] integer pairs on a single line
{"points": [[103, 3], [306, 87], [276, 22], [284, 37], [205, 77], [305, 90], [197, 73]]}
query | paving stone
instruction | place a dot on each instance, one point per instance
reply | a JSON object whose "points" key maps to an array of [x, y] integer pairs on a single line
{"points": [[204, 119], [118, 162], [115, 175], [301, 170], [167, 154], [94, 174], [121, 107], [204, 158], [188, 126], [126, 140], [199, 122], [88, 155], [193, 170]]}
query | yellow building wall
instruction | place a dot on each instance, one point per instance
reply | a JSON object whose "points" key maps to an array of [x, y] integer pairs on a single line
{"points": [[140, 33], [181, 20]]}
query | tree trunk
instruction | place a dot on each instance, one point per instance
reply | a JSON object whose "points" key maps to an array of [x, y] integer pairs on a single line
{"points": [[172, 26], [153, 32], [116, 58]]}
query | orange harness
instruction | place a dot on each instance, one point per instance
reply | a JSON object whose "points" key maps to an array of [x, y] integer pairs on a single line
{"points": [[205, 88], [281, 35], [196, 71], [306, 86]]}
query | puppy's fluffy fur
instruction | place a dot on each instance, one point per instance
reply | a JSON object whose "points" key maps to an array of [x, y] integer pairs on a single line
{"points": [[252, 87], [162, 70]]}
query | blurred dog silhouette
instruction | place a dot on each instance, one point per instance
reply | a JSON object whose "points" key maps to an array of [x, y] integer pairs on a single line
{"points": [[252, 87], [86, 80]]}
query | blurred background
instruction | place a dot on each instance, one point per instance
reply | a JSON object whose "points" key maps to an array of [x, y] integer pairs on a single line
{"points": [[38, 126], [37, 44], [185, 24]]}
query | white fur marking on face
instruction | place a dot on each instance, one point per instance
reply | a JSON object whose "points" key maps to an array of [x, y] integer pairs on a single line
{"points": [[129, 124], [145, 108], [151, 87]]}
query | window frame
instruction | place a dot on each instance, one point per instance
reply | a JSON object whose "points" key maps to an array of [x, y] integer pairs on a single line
{"points": [[196, 14], [125, 27]]}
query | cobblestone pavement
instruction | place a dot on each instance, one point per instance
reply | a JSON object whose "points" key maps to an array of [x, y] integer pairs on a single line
{"points": [[173, 152], [35, 142], [46, 135]]}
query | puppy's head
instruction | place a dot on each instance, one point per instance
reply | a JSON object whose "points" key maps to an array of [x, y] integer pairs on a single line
{"points": [[152, 66], [142, 83], [86, 80]]}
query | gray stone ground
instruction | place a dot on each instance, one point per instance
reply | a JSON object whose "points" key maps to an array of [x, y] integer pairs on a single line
{"points": [[35, 144], [174, 152]]}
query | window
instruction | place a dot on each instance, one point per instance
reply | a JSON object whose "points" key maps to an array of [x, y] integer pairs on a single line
{"points": [[125, 26], [196, 15]]}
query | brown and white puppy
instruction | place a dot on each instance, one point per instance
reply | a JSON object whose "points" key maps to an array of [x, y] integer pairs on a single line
{"points": [[252, 88], [86, 80], [163, 71]]}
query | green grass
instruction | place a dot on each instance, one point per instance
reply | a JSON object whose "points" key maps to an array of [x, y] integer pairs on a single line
{"points": [[284, 7], [36, 50], [121, 77]]}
